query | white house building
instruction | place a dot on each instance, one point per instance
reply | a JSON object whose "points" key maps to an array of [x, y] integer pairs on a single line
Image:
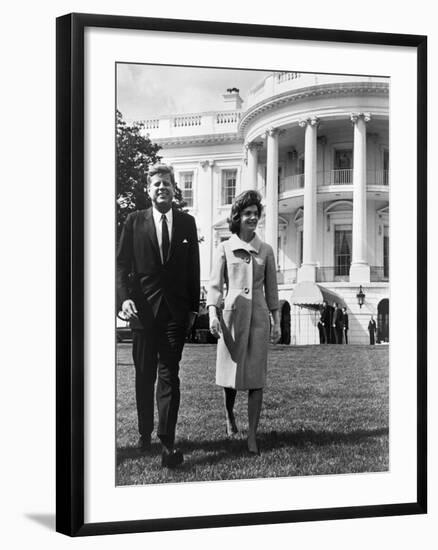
{"points": [[316, 147]]}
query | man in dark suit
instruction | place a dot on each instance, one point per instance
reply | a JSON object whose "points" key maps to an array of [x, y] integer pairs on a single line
{"points": [[326, 322], [372, 327], [158, 255], [345, 324], [337, 323], [321, 330]]}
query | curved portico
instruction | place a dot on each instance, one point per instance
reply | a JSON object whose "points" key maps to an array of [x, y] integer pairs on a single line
{"points": [[324, 149]]}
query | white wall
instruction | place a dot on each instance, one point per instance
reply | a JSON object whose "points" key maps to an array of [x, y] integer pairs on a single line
{"points": [[28, 249]]}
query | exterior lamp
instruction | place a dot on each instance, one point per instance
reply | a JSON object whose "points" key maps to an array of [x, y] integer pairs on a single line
{"points": [[360, 297]]}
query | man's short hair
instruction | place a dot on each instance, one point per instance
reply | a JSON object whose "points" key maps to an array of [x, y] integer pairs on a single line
{"points": [[161, 169]]}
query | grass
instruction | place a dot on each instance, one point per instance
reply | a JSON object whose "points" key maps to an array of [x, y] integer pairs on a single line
{"points": [[325, 411]]}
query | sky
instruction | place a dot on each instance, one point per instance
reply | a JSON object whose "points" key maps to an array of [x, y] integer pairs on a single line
{"points": [[147, 91]]}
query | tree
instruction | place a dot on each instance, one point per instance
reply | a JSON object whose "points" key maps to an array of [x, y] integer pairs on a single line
{"points": [[135, 153]]}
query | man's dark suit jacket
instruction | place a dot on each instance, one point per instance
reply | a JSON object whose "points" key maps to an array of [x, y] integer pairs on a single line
{"points": [[337, 318], [345, 321], [176, 281], [326, 317]]}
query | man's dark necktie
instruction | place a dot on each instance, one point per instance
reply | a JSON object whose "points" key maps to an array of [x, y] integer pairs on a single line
{"points": [[165, 237]]}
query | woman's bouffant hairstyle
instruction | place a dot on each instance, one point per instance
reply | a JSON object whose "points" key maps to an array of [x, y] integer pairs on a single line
{"points": [[242, 201]]}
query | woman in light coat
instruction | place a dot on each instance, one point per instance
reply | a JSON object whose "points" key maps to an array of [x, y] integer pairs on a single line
{"points": [[245, 265]]}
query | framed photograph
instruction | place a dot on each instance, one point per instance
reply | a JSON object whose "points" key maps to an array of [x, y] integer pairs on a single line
{"points": [[241, 274]]}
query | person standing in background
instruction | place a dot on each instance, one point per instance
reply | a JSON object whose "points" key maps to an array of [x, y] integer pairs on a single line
{"points": [[321, 330], [326, 322], [372, 327], [345, 325], [337, 323]]}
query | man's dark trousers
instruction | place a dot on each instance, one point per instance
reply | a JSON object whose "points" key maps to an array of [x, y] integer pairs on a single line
{"points": [[158, 347]]}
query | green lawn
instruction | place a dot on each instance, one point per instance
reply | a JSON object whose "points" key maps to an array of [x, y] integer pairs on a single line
{"points": [[325, 411]]}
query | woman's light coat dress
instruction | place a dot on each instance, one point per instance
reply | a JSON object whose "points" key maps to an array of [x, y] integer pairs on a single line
{"points": [[248, 272]]}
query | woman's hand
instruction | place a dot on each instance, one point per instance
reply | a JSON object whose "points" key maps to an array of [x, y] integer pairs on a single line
{"points": [[275, 333], [215, 327], [275, 328]]}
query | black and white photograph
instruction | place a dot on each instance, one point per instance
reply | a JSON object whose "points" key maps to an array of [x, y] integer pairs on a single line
{"points": [[227, 350], [252, 273], [188, 382]]}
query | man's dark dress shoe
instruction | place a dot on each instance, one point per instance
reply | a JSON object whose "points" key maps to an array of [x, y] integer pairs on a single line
{"points": [[144, 444], [171, 459]]}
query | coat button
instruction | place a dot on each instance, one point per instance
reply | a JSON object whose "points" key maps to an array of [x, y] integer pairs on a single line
{"points": [[246, 290]]}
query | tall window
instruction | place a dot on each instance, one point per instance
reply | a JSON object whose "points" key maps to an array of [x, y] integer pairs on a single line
{"points": [[228, 186], [300, 171], [280, 183], [343, 166], [386, 252], [186, 183], [385, 167], [342, 250]]}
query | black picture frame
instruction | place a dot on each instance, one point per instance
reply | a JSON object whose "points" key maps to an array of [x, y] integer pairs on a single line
{"points": [[70, 273]]}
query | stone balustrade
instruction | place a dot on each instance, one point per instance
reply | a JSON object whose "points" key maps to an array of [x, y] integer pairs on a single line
{"points": [[279, 83], [212, 122]]}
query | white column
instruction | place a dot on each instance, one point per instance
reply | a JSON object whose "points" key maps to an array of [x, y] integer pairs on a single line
{"points": [[252, 150], [206, 215], [307, 271], [271, 215], [360, 270]]}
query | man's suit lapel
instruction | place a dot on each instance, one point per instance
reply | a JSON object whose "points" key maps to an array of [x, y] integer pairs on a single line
{"points": [[151, 233]]}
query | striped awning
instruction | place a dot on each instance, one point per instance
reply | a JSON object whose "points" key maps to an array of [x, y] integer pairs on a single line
{"points": [[312, 295]]}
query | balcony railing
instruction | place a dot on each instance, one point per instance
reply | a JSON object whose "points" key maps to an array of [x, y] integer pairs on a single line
{"points": [[278, 83], [379, 273], [327, 274], [340, 177], [332, 177], [345, 177], [189, 120], [332, 273], [285, 77], [286, 276], [209, 122], [228, 117], [378, 177]]}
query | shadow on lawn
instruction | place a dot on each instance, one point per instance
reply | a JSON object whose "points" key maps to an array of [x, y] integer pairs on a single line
{"points": [[219, 449], [299, 438], [128, 453]]}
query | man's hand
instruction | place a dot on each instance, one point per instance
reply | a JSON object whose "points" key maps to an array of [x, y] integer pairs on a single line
{"points": [[129, 310]]}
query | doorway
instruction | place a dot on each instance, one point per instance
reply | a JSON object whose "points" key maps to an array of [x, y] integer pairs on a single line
{"points": [[383, 321]]}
